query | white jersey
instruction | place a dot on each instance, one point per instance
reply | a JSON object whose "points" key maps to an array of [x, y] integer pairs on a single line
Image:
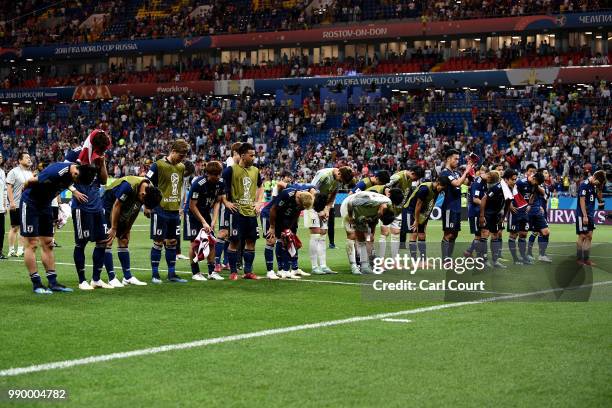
{"points": [[17, 178], [363, 206]]}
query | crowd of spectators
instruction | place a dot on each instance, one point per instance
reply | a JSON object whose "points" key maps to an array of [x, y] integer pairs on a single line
{"points": [[566, 131], [28, 22]]}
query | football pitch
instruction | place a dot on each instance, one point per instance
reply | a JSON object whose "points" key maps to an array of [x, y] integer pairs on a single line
{"points": [[322, 341]]}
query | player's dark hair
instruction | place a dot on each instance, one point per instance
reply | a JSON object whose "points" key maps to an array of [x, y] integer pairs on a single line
{"points": [[530, 166], [450, 152], [244, 148], [388, 216], [418, 171], [383, 176], [539, 178], [346, 174], [396, 195], [21, 154], [444, 181], [152, 197], [87, 173], [214, 168], [320, 202], [509, 173], [189, 168], [100, 139]]}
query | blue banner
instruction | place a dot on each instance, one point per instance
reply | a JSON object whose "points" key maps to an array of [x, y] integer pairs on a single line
{"points": [[102, 49], [61, 93], [393, 81]]}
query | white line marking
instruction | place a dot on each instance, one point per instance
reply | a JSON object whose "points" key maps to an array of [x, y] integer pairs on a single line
{"points": [[397, 320], [10, 372]]}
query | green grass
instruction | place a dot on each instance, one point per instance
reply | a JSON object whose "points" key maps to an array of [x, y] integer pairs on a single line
{"points": [[500, 353]]}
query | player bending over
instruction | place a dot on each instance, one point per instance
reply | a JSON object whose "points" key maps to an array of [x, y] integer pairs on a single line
{"points": [[284, 214], [360, 213], [327, 182], [420, 205], [205, 197], [406, 180], [123, 200], [37, 218]]}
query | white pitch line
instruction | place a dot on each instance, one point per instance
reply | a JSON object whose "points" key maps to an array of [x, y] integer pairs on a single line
{"points": [[11, 372], [397, 320]]}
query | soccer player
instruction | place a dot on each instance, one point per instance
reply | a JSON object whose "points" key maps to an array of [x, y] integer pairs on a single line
{"points": [[493, 208], [585, 211], [243, 183], [15, 179], [420, 205], [37, 219], [167, 174], [327, 182], [122, 202], [284, 214], [451, 206], [89, 221], [381, 178], [223, 234], [478, 189], [406, 180], [360, 213], [188, 177], [518, 218], [319, 204], [204, 199], [537, 219]]}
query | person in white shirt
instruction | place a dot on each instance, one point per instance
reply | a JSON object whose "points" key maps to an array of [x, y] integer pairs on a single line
{"points": [[3, 206], [15, 180]]}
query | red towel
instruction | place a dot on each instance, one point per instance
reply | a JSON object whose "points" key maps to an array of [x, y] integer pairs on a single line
{"points": [[202, 244], [88, 153], [291, 242]]}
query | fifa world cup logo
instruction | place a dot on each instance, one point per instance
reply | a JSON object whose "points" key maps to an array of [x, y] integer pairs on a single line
{"points": [[246, 183], [174, 179]]}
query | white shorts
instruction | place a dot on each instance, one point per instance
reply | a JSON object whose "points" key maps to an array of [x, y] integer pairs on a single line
{"points": [[396, 224], [312, 220], [348, 226]]}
